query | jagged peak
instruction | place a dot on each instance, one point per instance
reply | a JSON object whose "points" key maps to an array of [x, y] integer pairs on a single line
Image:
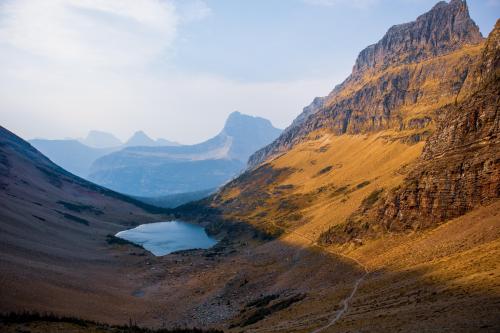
{"points": [[443, 29], [140, 138], [237, 121], [488, 68], [140, 134], [446, 28], [101, 139]]}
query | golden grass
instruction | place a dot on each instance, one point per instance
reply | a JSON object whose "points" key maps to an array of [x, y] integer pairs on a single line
{"points": [[360, 164]]}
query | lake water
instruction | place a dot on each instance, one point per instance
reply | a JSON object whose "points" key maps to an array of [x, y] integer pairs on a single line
{"points": [[162, 238]]}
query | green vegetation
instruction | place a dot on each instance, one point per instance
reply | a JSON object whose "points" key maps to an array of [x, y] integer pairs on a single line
{"points": [[363, 184], [262, 301], [324, 170], [38, 218], [263, 309], [339, 191], [51, 176], [49, 322], [176, 200], [371, 199], [74, 218], [80, 208], [113, 240], [285, 187]]}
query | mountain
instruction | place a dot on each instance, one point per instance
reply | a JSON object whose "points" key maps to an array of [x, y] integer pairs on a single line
{"points": [[376, 211], [372, 98], [165, 142], [54, 229], [176, 200], [465, 147], [71, 155], [156, 171], [396, 171], [78, 156], [98, 139], [140, 138]]}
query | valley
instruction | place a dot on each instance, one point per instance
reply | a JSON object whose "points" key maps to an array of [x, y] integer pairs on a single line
{"points": [[376, 210]]}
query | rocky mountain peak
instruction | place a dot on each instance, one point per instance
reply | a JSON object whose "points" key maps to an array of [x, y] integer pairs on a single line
{"points": [[238, 124], [140, 139], [99, 139], [445, 28]]}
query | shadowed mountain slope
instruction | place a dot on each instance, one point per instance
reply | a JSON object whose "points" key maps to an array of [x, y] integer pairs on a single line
{"points": [[333, 264], [71, 155], [53, 228]]}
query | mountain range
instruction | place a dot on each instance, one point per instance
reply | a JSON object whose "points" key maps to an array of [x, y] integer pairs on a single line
{"points": [[144, 167], [376, 210], [77, 155], [397, 171], [157, 171], [100, 139], [142, 139]]}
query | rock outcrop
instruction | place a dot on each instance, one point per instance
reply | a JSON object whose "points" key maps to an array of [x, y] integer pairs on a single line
{"points": [[403, 70], [447, 27], [460, 164], [459, 168]]}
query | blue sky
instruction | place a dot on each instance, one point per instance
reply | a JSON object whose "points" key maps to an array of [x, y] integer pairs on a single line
{"points": [[295, 39], [177, 68]]}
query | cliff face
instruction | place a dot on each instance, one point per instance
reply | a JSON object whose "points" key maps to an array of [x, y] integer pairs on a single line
{"points": [[403, 71], [401, 144], [460, 164], [410, 139], [447, 27], [459, 168]]}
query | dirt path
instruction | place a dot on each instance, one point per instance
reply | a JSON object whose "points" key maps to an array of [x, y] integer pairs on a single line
{"points": [[338, 314], [345, 306]]}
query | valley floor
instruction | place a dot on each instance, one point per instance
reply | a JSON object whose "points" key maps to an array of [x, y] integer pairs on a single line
{"points": [[443, 280]]}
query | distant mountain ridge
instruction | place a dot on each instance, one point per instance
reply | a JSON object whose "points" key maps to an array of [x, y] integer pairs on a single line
{"points": [[72, 155], [139, 139], [53, 231], [150, 171], [100, 139], [77, 156]]}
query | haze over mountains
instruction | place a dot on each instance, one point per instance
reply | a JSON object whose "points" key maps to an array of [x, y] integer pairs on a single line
{"points": [[77, 155], [145, 167], [142, 139], [72, 155], [100, 139], [376, 210], [157, 171]]}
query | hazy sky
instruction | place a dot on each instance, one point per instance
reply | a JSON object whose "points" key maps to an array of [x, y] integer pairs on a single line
{"points": [[177, 68]]}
